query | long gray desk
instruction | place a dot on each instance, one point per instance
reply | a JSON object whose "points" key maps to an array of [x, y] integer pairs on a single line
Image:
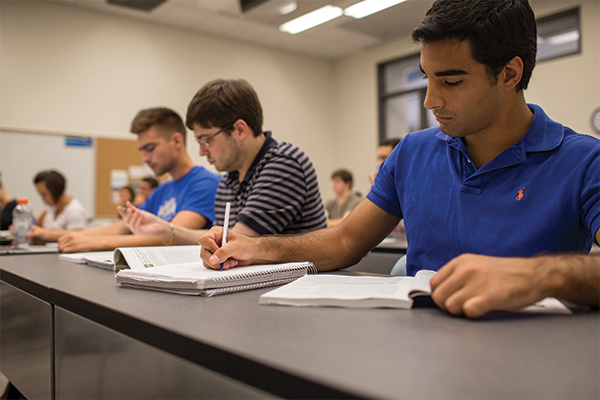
{"points": [[112, 342]]}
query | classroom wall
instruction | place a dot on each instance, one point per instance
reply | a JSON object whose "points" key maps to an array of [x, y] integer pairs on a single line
{"points": [[22, 157], [74, 71]]}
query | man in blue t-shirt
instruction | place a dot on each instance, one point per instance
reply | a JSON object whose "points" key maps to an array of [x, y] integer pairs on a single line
{"points": [[497, 198], [187, 200]]}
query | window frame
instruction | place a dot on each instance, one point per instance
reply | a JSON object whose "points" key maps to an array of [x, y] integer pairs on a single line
{"points": [[557, 16]]}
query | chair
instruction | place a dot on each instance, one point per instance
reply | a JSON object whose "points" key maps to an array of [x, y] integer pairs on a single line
{"points": [[399, 268]]}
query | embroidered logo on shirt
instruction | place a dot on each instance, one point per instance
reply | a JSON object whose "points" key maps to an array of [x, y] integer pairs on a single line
{"points": [[167, 210], [520, 195]]}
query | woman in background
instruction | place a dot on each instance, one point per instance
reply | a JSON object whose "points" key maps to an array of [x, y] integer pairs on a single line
{"points": [[147, 185], [63, 214], [125, 194]]}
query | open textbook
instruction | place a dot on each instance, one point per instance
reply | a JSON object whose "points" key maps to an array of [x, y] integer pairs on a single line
{"points": [[140, 258], [371, 292], [195, 279], [136, 257], [100, 259]]}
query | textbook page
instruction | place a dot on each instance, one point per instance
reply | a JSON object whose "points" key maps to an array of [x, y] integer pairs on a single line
{"points": [[100, 259], [81, 258], [76, 258], [147, 257], [343, 291], [420, 284]]}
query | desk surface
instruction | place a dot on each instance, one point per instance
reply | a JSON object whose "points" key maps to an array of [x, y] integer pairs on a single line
{"points": [[329, 352]]}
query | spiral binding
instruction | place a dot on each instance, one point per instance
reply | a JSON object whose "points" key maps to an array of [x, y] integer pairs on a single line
{"points": [[241, 288], [240, 281], [249, 278]]}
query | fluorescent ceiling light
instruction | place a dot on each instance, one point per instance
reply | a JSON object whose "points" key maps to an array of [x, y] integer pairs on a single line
{"points": [[368, 7], [312, 19], [572, 36]]}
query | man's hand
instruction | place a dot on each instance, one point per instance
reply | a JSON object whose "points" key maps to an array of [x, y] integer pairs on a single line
{"points": [[143, 223], [76, 242], [239, 250], [474, 285]]}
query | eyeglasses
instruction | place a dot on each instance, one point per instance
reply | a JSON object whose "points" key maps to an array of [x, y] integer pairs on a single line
{"points": [[205, 142]]}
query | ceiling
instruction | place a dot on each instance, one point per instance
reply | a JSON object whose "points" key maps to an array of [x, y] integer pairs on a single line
{"points": [[333, 40]]}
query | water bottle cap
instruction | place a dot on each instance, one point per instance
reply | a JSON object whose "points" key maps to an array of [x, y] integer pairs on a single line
{"points": [[22, 201]]}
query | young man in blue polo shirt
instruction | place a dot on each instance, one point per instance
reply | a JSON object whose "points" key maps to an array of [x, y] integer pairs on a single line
{"points": [[484, 194]]}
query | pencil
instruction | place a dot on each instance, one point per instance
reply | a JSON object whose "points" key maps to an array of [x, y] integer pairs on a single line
{"points": [[225, 225]]}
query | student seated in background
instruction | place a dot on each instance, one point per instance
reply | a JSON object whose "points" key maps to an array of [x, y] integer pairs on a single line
{"points": [[64, 213], [345, 199], [383, 152], [7, 204], [145, 188], [499, 198], [272, 187], [126, 194], [187, 200]]}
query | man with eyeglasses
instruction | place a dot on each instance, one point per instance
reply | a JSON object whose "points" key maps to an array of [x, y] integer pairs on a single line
{"points": [[187, 200], [272, 187]]}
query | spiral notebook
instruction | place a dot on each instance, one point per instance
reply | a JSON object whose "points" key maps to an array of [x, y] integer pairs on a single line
{"points": [[195, 279]]}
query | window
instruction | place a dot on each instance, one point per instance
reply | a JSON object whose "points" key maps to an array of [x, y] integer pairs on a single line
{"points": [[558, 35], [401, 94]]}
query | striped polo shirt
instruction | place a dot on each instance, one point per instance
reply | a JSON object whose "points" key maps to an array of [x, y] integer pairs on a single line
{"points": [[279, 194]]}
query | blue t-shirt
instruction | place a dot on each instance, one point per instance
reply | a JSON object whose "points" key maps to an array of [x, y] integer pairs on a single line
{"points": [[540, 195], [195, 191]]}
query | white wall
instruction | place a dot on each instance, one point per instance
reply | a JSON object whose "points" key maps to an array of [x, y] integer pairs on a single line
{"points": [[22, 157], [70, 70]]}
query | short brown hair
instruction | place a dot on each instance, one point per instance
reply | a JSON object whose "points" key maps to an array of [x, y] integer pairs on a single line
{"points": [[151, 181], [221, 102], [344, 175], [166, 120], [393, 142], [55, 182]]}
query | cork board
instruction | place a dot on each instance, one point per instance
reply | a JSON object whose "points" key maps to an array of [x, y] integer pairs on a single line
{"points": [[112, 155]]}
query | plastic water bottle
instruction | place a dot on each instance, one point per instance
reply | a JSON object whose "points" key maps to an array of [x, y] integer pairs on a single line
{"points": [[22, 222]]}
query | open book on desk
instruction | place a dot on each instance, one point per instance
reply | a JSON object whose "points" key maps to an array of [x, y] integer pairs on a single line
{"points": [[371, 292], [100, 259], [135, 257], [140, 258], [195, 279]]}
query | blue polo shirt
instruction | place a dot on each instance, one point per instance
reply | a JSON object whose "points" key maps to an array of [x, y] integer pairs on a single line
{"points": [[540, 195]]}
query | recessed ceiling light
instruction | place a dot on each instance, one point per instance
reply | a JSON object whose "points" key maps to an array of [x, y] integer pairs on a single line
{"points": [[368, 7], [312, 19]]}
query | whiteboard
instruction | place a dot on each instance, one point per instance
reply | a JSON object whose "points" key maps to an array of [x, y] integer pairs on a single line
{"points": [[23, 155]]}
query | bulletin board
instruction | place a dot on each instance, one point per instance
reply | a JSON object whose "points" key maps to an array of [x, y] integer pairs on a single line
{"points": [[113, 156]]}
